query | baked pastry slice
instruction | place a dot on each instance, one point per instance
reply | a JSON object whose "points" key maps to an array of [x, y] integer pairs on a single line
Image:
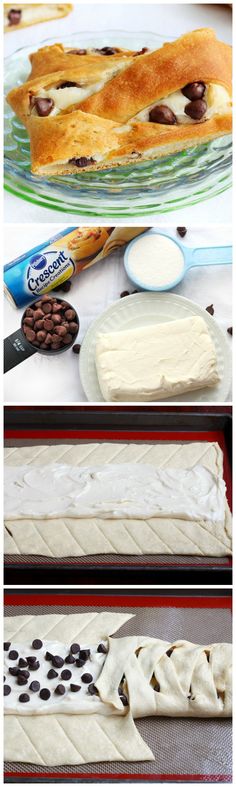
{"points": [[25, 14], [138, 108]]}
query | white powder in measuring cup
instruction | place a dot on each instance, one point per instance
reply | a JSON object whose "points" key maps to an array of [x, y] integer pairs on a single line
{"points": [[155, 260]]}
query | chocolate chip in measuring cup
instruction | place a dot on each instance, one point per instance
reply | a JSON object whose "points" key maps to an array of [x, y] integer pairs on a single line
{"points": [[50, 322]]}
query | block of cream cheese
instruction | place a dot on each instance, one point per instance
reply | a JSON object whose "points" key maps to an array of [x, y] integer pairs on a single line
{"points": [[156, 361]]}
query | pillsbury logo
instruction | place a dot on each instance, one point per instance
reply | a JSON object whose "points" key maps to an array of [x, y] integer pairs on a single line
{"points": [[45, 269]]}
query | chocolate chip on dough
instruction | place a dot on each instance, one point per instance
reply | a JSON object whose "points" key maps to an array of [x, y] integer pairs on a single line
{"points": [[48, 656], [34, 665], [77, 52], [124, 699], [66, 674], [43, 106], [21, 680], [35, 685], [107, 50], [24, 698], [84, 654], [45, 694], [102, 648], [141, 51], [74, 687], [22, 663], [68, 84], [6, 645], [31, 659], [57, 661], [6, 690], [60, 689], [80, 662], [162, 114], [194, 90], [13, 655], [70, 659], [37, 644], [13, 670], [196, 109], [87, 677], [92, 689], [52, 674], [75, 647]]}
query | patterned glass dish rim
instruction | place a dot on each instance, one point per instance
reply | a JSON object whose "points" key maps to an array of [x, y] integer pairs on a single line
{"points": [[160, 186]]}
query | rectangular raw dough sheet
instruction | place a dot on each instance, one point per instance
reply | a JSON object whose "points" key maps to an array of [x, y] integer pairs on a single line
{"points": [[74, 538], [70, 739], [167, 359]]}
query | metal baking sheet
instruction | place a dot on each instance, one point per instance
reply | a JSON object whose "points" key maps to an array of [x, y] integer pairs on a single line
{"points": [[24, 437], [196, 750]]}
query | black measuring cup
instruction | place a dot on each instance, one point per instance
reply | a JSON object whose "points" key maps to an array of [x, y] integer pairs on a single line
{"points": [[17, 347]]}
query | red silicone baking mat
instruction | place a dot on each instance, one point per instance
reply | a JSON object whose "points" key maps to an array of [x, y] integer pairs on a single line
{"points": [[36, 437], [196, 750]]}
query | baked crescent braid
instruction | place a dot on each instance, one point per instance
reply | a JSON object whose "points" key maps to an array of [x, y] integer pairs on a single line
{"points": [[24, 15], [167, 678], [104, 112]]}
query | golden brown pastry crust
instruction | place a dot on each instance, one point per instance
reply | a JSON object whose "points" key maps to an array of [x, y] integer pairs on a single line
{"points": [[54, 58], [61, 9], [104, 136], [196, 56]]}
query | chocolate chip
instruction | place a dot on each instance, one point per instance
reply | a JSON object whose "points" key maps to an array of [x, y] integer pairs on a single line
{"points": [[162, 114], [13, 655], [74, 648], [60, 330], [124, 699], [107, 50], [56, 319], [124, 294], [83, 161], [84, 654], [13, 670], [60, 689], [181, 231], [102, 648], [43, 106], [230, 330], [29, 321], [210, 309], [24, 673], [35, 685], [14, 16], [196, 109], [86, 677], [6, 645], [76, 348], [66, 674], [92, 689], [141, 51], [67, 339], [30, 334], [69, 659], [73, 327], [21, 680], [29, 312], [34, 665], [80, 662], [169, 652], [55, 345], [48, 324], [66, 286], [31, 659], [22, 663], [38, 325], [52, 674], [44, 694], [194, 90], [4, 678], [47, 308], [56, 308], [74, 687], [6, 690], [68, 84], [57, 661], [70, 314], [24, 698]]}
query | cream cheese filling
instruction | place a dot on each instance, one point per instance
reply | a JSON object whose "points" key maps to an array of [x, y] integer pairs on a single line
{"points": [[217, 98], [68, 96], [71, 702], [119, 491]]}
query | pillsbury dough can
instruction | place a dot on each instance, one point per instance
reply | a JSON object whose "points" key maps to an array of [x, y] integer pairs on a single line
{"points": [[40, 270]]}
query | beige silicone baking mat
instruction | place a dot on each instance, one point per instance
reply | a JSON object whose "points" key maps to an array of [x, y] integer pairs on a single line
{"points": [[123, 561], [200, 748]]}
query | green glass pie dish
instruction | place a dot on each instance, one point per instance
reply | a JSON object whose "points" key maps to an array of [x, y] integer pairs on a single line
{"points": [[154, 187]]}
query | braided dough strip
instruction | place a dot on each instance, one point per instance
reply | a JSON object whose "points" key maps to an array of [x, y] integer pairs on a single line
{"points": [[168, 678], [56, 57], [67, 537]]}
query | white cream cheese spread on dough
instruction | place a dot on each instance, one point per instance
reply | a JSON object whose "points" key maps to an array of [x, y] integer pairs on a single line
{"points": [[156, 260], [113, 492], [216, 96], [80, 701]]}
